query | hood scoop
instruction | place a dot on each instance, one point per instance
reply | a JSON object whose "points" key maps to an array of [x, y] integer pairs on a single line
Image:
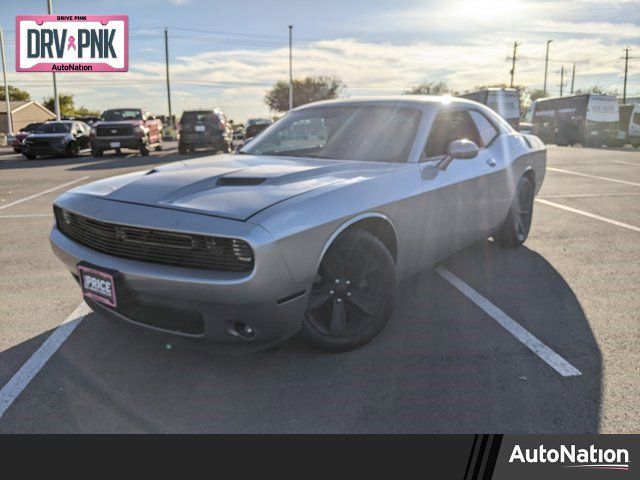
{"points": [[239, 181]]}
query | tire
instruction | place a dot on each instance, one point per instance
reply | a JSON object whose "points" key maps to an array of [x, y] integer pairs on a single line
{"points": [[72, 149], [96, 152], [353, 294], [144, 149], [30, 157], [228, 148], [182, 148], [560, 140], [159, 145], [515, 229]]}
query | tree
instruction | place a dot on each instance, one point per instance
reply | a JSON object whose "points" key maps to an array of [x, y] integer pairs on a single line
{"points": [[15, 94], [592, 89], [536, 94], [309, 89], [68, 107], [428, 88]]}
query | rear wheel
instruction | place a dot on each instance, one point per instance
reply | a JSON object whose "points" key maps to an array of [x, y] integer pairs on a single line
{"points": [[515, 229], [353, 294]]}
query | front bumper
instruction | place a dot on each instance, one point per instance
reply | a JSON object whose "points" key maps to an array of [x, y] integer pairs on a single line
{"points": [[44, 149], [267, 299], [104, 143]]}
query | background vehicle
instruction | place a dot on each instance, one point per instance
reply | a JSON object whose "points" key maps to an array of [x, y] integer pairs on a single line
{"points": [[255, 126], [22, 134], [238, 138], [504, 101], [133, 128], [590, 120], [205, 129], [629, 125], [310, 226], [64, 138]]}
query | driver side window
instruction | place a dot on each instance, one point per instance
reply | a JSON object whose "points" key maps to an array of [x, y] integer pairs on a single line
{"points": [[450, 125]]}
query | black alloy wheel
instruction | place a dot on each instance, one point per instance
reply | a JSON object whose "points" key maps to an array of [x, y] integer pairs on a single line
{"points": [[516, 226], [353, 294]]}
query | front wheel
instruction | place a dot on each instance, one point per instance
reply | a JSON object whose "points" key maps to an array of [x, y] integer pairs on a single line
{"points": [[30, 156], [353, 294], [515, 229], [144, 149]]}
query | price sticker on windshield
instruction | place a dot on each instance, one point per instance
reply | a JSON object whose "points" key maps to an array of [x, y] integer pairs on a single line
{"points": [[72, 43]]}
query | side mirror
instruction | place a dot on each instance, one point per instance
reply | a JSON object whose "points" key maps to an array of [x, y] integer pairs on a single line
{"points": [[459, 150], [463, 149]]}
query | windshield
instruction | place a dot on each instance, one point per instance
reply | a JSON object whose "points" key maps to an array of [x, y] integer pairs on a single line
{"points": [[54, 128], [373, 133], [117, 115]]}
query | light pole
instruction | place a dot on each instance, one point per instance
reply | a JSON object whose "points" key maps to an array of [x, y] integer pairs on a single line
{"points": [[56, 101], [6, 87], [290, 67], [546, 64], [166, 61]]}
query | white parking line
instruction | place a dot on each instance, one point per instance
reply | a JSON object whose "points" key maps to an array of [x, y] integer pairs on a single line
{"points": [[598, 177], [28, 215], [30, 369], [552, 359], [587, 214], [622, 162], [36, 195]]}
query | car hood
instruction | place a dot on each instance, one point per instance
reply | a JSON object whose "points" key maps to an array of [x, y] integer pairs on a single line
{"points": [[230, 186]]}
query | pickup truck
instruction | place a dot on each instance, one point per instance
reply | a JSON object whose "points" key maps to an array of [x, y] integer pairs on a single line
{"points": [[132, 128]]}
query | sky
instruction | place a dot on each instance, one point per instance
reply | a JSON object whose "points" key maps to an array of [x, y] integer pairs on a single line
{"points": [[228, 53]]}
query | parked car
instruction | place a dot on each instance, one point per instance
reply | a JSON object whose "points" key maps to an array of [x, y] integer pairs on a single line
{"points": [[255, 126], [205, 129], [238, 139], [590, 120], [504, 101], [629, 125], [65, 138], [132, 128], [22, 134], [308, 233]]}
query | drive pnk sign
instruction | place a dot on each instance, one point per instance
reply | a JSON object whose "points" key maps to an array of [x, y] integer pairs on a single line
{"points": [[72, 43]]}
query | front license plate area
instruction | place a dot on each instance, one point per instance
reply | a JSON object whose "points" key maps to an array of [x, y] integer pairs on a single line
{"points": [[200, 128], [98, 284], [115, 144]]}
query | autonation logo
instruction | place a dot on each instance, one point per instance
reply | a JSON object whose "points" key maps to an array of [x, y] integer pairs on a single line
{"points": [[590, 458]]}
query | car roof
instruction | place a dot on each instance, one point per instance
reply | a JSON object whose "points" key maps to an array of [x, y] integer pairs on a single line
{"points": [[416, 101]]}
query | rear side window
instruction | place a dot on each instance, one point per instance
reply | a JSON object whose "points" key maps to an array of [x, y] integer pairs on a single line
{"points": [[450, 125], [486, 130]]}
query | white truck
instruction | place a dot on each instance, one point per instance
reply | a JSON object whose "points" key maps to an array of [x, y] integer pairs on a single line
{"points": [[504, 101], [629, 125]]}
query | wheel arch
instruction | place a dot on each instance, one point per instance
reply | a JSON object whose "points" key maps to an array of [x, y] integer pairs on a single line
{"points": [[375, 223]]}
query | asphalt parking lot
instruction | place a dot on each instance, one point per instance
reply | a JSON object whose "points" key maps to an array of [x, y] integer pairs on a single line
{"points": [[544, 338]]}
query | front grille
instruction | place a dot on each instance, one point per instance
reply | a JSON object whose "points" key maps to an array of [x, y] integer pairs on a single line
{"points": [[157, 246], [115, 131]]}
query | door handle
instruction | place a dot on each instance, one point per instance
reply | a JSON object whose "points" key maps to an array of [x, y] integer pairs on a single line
{"points": [[491, 162]]}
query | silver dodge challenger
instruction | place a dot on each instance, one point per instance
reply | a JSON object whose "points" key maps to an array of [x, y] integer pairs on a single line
{"points": [[309, 228]]}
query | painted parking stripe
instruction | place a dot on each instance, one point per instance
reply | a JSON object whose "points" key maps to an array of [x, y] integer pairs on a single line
{"points": [[30, 369], [550, 357], [587, 214], [28, 215], [622, 162], [598, 177], [36, 195]]}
